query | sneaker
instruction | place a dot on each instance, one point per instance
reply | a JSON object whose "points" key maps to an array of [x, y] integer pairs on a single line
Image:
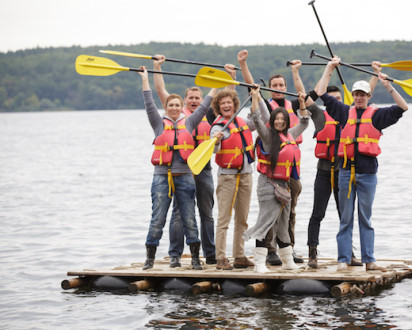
{"points": [[175, 262]]}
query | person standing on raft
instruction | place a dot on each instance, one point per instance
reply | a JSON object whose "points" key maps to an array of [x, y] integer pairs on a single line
{"points": [[358, 151], [172, 176]]}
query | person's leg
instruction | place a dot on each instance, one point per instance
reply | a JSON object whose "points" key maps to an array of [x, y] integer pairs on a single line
{"points": [[185, 190], [205, 202], [366, 188], [176, 237], [225, 190], [347, 206], [241, 206], [295, 190], [322, 191], [160, 205]]}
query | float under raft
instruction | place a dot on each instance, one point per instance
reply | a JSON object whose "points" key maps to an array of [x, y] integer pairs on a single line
{"points": [[355, 280]]}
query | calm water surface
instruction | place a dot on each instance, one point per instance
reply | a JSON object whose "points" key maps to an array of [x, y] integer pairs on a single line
{"points": [[75, 194]]}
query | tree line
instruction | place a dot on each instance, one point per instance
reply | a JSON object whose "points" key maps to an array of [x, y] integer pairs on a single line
{"points": [[45, 79]]}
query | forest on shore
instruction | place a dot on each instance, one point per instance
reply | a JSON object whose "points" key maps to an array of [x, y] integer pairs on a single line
{"points": [[45, 79]]}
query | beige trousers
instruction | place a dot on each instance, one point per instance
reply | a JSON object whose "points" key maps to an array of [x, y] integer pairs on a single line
{"points": [[225, 191]]}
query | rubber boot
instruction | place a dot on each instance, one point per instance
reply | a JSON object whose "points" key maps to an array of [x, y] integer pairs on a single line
{"points": [[194, 250], [313, 252], [259, 254], [286, 256], [150, 256]]}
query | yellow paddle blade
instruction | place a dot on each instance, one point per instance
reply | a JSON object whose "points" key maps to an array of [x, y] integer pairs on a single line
{"points": [[201, 155], [214, 78], [114, 52], [399, 65], [405, 84], [97, 66], [348, 99]]}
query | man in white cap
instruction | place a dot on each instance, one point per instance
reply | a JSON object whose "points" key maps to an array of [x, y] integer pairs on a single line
{"points": [[358, 151]]}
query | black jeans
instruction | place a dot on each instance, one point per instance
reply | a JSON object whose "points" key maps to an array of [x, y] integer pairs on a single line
{"points": [[322, 192]]}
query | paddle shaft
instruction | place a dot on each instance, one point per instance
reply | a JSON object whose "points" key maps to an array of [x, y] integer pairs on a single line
{"points": [[326, 39], [348, 65], [166, 59], [164, 72], [195, 63], [324, 63]]}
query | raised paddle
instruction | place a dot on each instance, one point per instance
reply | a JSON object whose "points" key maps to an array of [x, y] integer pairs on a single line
{"points": [[202, 154], [149, 57], [348, 99], [405, 84], [214, 78], [100, 66], [399, 65]]}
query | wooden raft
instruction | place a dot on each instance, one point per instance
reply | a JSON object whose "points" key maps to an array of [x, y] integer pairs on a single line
{"points": [[355, 280]]}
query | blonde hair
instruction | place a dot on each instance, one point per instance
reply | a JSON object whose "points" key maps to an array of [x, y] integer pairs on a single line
{"points": [[194, 89]]}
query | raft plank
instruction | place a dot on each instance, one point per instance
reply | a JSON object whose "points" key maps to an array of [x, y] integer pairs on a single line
{"points": [[396, 270]]}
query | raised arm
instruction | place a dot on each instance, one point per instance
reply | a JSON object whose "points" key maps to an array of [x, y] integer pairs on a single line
{"points": [[159, 81], [297, 81], [323, 83], [241, 58], [376, 66], [145, 79], [400, 101], [297, 130], [230, 68]]}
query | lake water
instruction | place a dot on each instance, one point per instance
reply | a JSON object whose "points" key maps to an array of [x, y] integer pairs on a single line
{"points": [[75, 194]]}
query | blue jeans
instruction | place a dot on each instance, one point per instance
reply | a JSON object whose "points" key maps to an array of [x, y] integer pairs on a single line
{"points": [[365, 189], [185, 200], [322, 191], [205, 202]]}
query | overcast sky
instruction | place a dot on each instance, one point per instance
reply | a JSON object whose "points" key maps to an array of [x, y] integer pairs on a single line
{"points": [[54, 23]]}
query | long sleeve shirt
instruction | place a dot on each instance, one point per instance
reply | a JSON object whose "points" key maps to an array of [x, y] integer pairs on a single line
{"points": [[382, 118], [156, 121]]}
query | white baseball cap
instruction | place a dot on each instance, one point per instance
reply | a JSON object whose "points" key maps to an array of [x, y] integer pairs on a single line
{"points": [[361, 85]]}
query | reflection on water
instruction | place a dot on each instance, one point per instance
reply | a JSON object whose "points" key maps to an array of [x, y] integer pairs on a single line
{"points": [[75, 194]]}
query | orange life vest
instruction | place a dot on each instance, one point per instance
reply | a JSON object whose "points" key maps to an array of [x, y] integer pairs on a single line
{"points": [[294, 120], [362, 133], [202, 132], [289, 156], [327, 139], [232, 149], [174, 137]]}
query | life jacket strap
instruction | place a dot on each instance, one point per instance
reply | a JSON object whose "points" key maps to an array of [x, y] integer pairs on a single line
{"points": [[236, 190], [170, 183]]}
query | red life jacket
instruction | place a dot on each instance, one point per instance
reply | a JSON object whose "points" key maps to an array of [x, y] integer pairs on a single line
{"points": [[289, 156], [360, 132], [232, 149], [172, 138], [327, 139], [294, 120], [202, 132]]}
